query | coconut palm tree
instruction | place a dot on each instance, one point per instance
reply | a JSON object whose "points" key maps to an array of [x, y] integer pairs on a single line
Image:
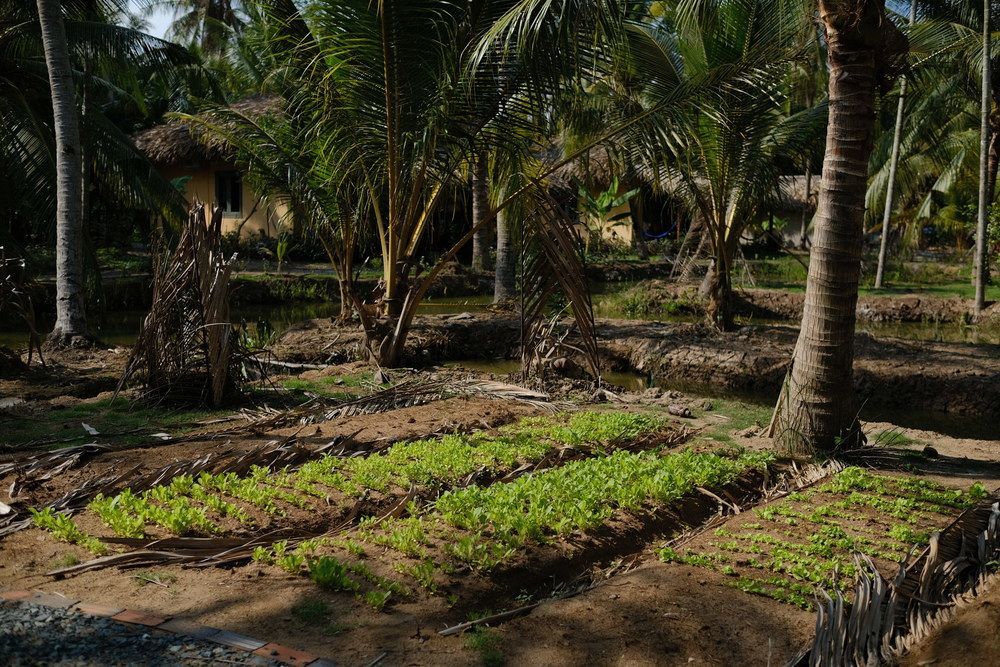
{"points": [[726, 157], [401, 95], [40, 174], [816, 411], [71, 320]]}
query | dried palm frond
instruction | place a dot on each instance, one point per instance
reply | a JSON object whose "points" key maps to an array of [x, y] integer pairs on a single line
{"points": [[555, 264], [886, 619], [404, 394], [187, 349], [15, 299]]}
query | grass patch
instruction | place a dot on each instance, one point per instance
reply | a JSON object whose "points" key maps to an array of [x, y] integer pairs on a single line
{"points": [[488, 643], [738, 415], [120, 417], [332, 386], [146, 577]]}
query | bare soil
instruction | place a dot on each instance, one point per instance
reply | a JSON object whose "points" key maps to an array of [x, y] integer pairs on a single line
{"points": [[971, 637]]}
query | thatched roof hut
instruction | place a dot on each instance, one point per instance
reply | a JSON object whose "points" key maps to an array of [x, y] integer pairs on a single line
{"points": [[175, 142]]}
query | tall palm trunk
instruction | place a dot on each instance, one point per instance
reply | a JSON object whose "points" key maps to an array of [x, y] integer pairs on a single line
{"points": [[804, 232], [817, 409], [984, 148], [480, 210], [893, 162], [71, 322], [505, 278]]}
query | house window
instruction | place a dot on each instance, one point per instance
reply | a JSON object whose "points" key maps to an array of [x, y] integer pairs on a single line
{"points": [[229, 191]]}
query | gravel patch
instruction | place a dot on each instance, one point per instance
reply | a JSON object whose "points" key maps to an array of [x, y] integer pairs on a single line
{"points": [[36, 635]]}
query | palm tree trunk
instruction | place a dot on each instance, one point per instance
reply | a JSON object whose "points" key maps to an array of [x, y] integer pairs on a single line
{"points": [[505, 278], [637, 214], [816, 410], [984, 194], [480, 210], [71, 322], [804, 232], [893, 162]]}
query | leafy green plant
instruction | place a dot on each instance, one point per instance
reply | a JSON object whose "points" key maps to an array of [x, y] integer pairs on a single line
{"points": [[64, 528], [331, 574], [423, 572], [378, 598], [581, 495], [290, 562], [262, 555]]}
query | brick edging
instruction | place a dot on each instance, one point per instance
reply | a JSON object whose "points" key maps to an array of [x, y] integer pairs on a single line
{"points": [[173, 625]]}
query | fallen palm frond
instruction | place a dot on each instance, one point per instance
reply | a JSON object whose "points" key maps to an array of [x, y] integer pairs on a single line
{"points": [[406, 394], [557, 264], [42, 467], [286, 452], [15, 299], [887, 619], [187, 349]]}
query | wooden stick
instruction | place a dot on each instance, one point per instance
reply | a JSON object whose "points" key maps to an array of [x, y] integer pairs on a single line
{"points": [[502, 616]]}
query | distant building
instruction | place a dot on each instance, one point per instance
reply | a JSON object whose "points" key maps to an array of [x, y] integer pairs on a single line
{"points": [[210, 176]]}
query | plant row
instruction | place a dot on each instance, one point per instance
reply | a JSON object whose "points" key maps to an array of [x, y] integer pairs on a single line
{"points": [[808, 540], [205, 503]]}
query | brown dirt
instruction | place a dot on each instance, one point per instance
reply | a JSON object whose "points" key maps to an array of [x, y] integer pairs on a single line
{"points": [[954, 378], [67, 372], [945, 377], [659, 614]]}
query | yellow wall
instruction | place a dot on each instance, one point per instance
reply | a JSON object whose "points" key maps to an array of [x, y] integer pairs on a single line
{"points": [[268, 218]]}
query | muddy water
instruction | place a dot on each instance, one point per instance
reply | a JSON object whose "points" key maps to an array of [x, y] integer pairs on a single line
{"points": [[120, 327]]}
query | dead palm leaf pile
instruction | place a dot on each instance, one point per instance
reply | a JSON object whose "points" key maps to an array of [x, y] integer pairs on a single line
{"points": [[187, 350], [15, 304], [888, 618]]}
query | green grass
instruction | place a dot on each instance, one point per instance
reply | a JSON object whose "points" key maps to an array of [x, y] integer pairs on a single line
{"points": [[739, 416], [144, 577], [332, 386], [935, 279], [488, 643], [106, 417]]}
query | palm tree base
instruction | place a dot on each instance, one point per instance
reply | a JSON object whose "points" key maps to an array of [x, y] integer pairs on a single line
{"points": [[59, 340]]}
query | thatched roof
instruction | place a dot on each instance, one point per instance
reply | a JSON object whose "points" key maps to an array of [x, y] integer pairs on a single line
{"points": [[793, 192], [175, 142]]}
